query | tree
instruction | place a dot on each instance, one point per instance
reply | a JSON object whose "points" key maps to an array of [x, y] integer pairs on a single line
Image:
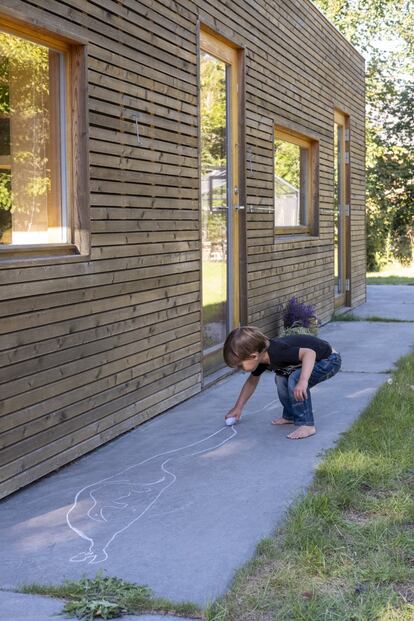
{"points": [[383, 32], [213, 112], [24, 100], [390, 181]]}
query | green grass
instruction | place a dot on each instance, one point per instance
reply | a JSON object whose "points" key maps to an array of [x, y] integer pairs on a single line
{"points": [[214, 312], [105, 597], [392, 274], [346, 549], [352, 317], [390, 280], [214, 282], [214, 291]]}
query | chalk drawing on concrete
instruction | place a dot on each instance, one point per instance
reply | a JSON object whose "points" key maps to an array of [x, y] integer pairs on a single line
{"points": [[272, 405], [103, 510]]}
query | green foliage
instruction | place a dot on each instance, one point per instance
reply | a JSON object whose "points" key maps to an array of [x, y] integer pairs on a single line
{"points": [[4, 85], [24, 105], [103, 597], [216, 227], [287, 162], [383, 31], [351, 317], [390, 184], [23, 58], [296, 330], [212, 112], [88, 610], [106, 597], [390, 280], [5, 191], [215, 612], [5, 206]]}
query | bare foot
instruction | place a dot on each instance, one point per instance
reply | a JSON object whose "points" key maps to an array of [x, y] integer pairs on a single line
{"points": [[282, 421], [304, 431]]}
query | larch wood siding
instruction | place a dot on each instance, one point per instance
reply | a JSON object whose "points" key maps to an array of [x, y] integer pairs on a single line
{"points": [[91, 347]]}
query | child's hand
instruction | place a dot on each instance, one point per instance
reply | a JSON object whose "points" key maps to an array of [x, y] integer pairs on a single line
{"points": [[234, 412], [301, 390]]}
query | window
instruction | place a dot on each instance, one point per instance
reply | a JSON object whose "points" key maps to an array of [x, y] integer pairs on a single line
{"points": [[341, 207], [40, 199], [295, 163]]}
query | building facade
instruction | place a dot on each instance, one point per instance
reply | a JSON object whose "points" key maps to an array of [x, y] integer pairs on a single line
{"points": [[169, 169]]}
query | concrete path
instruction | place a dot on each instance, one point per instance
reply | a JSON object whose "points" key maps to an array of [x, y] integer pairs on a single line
{"points": [[388, 301], [19, 607], [181, 502]]}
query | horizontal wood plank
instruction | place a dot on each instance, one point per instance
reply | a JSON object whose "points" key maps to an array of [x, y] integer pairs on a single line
{"points": [[92, 347]]}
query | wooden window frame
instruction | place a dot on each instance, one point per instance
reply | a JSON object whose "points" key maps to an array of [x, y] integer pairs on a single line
{"points": [[226, 51], [344, 298], [75, 155], [312, 145]]}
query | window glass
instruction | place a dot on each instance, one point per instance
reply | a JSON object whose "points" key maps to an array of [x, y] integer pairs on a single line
{"points": [[292, 164], [214, 187], [32, 180]]}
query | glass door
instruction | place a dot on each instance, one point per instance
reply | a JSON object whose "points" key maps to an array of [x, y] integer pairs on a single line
{"points": [[341, 209], [219, 196]]}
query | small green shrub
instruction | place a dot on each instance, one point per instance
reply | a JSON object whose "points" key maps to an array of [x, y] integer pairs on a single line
{"points": [[296, 330], [103, 597], [87, 610], [106, 597]]}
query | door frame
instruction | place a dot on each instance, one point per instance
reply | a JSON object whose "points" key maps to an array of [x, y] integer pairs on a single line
{"points": [[344, 298], [222, 49]]}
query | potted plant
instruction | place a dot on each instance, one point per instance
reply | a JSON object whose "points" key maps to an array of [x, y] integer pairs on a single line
{"points": [[299, 318]]}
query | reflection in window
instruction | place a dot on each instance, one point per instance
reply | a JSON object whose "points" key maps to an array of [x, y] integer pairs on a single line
{"points": [[31, 143], [339, 200], [292, 183], [213, 80]]}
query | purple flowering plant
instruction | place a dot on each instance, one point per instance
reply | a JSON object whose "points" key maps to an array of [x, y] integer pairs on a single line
{"points": [[297, 314]]}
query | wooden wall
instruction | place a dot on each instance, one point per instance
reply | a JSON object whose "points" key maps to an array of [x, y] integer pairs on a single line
{"points": [[90, 348]]}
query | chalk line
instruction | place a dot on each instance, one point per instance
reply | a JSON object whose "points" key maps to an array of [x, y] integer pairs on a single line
{"points": [[91, 555], [96, 513]]}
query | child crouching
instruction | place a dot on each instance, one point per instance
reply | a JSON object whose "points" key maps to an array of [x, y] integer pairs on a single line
{"points": [[299, 361]]}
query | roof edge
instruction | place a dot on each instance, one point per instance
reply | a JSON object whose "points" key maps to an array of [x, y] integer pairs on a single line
{"points": [[320, 12]]}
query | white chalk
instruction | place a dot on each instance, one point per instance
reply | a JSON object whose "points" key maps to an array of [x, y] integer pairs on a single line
{"points": [[232, 420]]}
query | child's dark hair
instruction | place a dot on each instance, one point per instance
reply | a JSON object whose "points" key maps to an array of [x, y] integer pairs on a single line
{"points": [[241, 343]]}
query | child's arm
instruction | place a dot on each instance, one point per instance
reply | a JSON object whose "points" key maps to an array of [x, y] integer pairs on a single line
{"points": [[307, 358], [246, 392]]}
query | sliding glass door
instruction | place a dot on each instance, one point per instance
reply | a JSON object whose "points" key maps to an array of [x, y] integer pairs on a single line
{"points": [[219, 196], [341, 209]]}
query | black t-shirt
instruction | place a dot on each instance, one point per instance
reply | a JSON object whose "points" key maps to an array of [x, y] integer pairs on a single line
{"points": [[284, 353]]}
